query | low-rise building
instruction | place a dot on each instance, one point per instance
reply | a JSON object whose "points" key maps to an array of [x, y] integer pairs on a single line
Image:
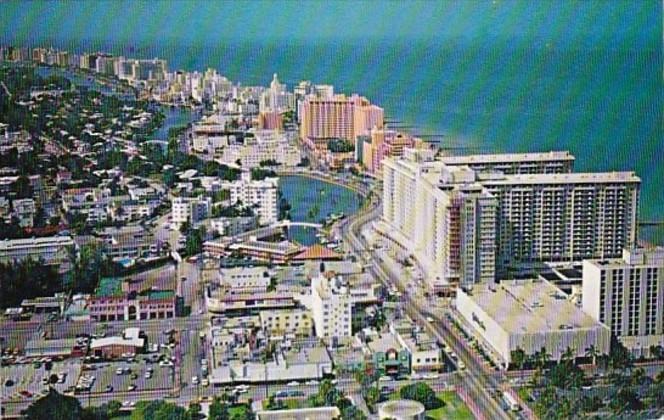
{"points": [[244, 279], [130, 343], [539, 316], [388, 356], [279, 323], [119, 300], [50, 249], [231, 226], [24, 211], [318, 413], [91, 202], [127, 242], [217, 301]]}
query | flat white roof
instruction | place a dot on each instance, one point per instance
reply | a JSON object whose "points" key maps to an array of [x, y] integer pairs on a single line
{"points": [[530, 306], [508, 158], [566, 178]]}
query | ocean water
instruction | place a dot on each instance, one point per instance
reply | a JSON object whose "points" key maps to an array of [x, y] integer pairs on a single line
{"points": [[584, 76]]}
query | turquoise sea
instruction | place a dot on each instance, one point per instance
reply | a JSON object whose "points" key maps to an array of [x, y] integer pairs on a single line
{"points": [[585, 76]]}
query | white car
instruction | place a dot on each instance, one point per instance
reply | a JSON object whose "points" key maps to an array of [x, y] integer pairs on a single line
{"points": [[241, 389], [294, 383], [194, 380], [385, 378], [205, 382], [131, 387], [128, 404]]}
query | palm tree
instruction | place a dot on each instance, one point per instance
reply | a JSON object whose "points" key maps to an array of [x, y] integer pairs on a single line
{"points": [[592, 353], [568, 355]]}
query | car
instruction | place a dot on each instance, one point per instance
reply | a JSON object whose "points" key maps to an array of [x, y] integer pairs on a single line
{"points": [[128, 404], [165, 363], [334, 381], [134, 376], [415, 376], [281, 394], [194, 380], [296, 393], [293, 383], [26, 393], [312, 382], [385, 378], [131, 387], [461, 365], [241, 389], [431, 376], [200, 312], [183, 278], [9, 383], [147, 375], [205, 382], [109, 388]]}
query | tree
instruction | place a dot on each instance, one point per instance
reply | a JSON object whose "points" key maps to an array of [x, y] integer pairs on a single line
{"points": [[22, 187], [55, 406], [518, 357], [185, 227], [423, 393], [158, 410], [371, 395], [592, 353], [625, 400], [194, 411], [218, 409]]}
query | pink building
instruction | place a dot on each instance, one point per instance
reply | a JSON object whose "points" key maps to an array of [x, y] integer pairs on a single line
{"points": [[270, 120], [338, 117], [385, 143]]}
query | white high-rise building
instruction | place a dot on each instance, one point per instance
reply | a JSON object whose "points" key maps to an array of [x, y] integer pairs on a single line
{"points": [[263, 195], [331, 307], [627, 295], [190, 209], [461, 221]]}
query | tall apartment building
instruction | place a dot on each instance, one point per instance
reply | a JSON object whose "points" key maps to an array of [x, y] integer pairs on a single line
{"points": [[261, 194], [450, 224], [331, 307], [190, 209], [627, 295], [459, 221], [337, 117], [563, 217]]}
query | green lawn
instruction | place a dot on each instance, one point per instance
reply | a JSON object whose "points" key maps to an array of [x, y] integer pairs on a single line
{"points": [[290, 403], [239, 409], [454, 408]]}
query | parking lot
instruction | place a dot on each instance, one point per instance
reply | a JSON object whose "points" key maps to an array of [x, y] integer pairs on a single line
{"points": [[130, 377], [21, 381]]}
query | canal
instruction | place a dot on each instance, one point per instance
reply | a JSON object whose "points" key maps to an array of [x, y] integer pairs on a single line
{"points": [[313, 200]]}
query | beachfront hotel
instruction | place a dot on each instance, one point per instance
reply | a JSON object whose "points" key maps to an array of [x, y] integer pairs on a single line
{"points": [[339, 117], [627, 295], [470, 225]]}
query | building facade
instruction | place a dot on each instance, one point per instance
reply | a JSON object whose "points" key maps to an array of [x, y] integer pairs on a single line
{"points": [[627, 295], [464, 224], [331, 308], [260, 194]]}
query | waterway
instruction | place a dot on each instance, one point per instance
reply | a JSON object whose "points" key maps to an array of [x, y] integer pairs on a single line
{"points": [[313, 200]]}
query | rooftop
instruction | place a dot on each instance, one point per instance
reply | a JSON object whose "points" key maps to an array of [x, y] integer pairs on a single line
{"points": [[529, 306], [383, 343], [508, 157], [109, 287], [317, 252], [566, 178], [318, 413]]}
